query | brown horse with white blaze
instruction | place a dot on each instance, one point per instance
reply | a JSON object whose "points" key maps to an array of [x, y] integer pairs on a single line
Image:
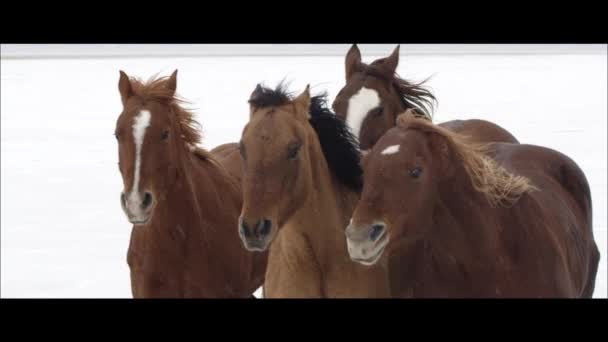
{"points": [[301, 181], [374, 95], [183, 202], [517, 224]]}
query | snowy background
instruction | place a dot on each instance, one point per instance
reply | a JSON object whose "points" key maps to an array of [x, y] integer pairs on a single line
{"points": [[63, 233]]}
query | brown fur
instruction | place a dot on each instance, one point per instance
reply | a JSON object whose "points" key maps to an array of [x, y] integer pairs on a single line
{"points": [[497, 184], [189, 246], [397, 95], [448, 239], [229, 157], [307, 204]]}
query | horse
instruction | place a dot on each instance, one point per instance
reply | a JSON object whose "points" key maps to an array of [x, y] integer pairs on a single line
{"points": [[182, 201], [301, 179], [374, 95], [517, 223]]}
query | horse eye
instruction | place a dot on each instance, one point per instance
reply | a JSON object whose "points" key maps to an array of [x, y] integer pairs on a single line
{"points": [[378, 111], [292, 151], [416, 172], [164, 135], [117, 136], [242, 150]]}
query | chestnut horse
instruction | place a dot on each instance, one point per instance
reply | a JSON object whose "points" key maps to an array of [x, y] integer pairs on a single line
{"points": [[301, 180], [517, 224], [374, 94], [183, 203]]}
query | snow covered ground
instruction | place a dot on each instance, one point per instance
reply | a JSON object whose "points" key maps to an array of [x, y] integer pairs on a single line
{"points": [[63, 233]]}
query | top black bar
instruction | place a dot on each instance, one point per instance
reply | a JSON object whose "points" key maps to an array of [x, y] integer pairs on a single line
{"points": [[198, 27]]}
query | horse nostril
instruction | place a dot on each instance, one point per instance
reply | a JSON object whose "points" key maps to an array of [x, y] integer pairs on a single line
{"points": [[147, 200], [376, 231], [266, 224], [243, 229], [123, 199]]}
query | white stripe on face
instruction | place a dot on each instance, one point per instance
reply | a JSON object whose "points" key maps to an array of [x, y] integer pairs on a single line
{"points": [[358, 106], [391, 150], [140, 123]]}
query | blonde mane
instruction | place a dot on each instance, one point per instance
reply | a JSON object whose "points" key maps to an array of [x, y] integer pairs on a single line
{"points": [[499, 186]]}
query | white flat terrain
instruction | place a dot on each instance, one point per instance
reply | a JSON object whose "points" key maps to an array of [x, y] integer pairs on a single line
{"points": [[63, 232]]}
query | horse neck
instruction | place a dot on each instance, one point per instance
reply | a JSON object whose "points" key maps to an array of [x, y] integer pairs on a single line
{"points": [[462, 226], [208, 189], [403, 105], [201, 196], [185, 194], [326, 211]]}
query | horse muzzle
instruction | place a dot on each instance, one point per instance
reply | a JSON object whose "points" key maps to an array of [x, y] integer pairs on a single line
{"points": [[366, 244], [256, 237], [137, 208]]}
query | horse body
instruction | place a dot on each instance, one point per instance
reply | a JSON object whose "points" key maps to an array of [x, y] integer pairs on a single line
{"points": [[301, 182], [185, 245], [480, 131], [563, 205], [228, 155], [541, 247], [538, 243]]}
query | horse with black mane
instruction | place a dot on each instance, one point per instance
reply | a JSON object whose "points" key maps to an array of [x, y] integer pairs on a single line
{"points": [[301, 182]]}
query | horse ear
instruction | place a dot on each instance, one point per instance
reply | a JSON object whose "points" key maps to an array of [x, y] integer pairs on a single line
{"points": [[391, 62], [172, 81], [404, 118], [353, 61], [256, 92], [124, 87], [302, 103]]}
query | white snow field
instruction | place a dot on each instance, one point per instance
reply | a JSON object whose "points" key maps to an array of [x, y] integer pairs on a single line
{"points": [[63, 233]]}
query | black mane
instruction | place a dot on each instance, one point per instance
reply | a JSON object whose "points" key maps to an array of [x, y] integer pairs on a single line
{"points": [[339, 144], [263, 96], [340, 147]]}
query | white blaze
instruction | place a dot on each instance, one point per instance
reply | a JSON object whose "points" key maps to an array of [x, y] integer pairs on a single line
{"points": [[358, 106], [391, 149], [140, 123]]}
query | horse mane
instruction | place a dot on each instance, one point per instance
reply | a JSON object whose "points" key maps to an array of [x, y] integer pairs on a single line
{"points": [[412, 95], [499, 186], [266, 97], [340, 147], [155, 90]]}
